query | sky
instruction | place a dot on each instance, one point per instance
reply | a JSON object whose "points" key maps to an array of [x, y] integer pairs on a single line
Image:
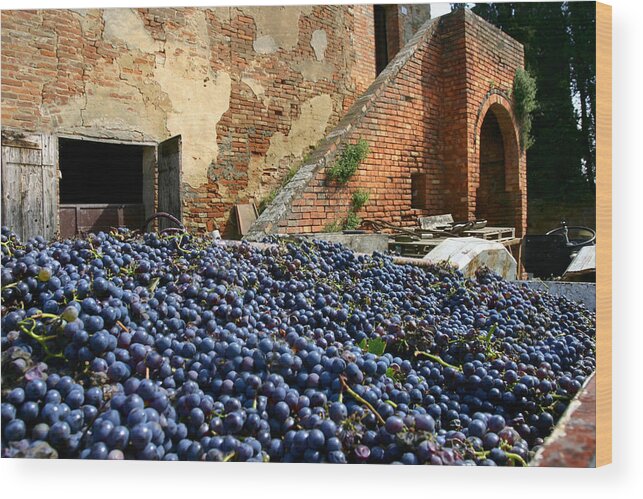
{"points": [[439, 9]]}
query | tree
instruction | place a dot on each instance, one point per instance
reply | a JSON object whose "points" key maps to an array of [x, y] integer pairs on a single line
{"points": [[582, 30], [559, 42]]}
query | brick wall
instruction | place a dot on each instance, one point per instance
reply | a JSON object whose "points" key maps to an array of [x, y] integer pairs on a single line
{"points": [[423, 115], [363, 29], [250, 90], [492, 59]]}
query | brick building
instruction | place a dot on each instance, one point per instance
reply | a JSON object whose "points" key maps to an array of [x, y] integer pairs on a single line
{"points": [[441, 132], [111, 114]]}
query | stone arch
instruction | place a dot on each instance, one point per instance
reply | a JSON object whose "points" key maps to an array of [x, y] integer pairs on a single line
{"points": [[497, 171]]}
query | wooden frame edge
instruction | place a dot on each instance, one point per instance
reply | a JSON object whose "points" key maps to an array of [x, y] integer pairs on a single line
{"points": [[604, 230]]}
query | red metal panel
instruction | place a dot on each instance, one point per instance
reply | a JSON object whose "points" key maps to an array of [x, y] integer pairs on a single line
{"points": [[84, 218], [68, 225]]}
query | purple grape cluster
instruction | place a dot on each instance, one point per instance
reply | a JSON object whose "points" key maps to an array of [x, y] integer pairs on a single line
{"points": [[174, 347]]}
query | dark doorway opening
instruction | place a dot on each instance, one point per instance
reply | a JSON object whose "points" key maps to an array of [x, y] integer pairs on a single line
{"points": [[100, 172], [104, 185], [492, 200], [381, 45], [419, 191], [387, 35]]}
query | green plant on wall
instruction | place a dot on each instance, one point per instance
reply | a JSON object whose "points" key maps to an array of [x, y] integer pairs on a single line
{"points": [[359, 199], [349, 159], [352, 221], [524, 103], [263, 204], [334, 226]]}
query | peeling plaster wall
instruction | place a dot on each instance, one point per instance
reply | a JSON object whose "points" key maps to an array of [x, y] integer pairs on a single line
{"points": [[126, 26], [198, 95], [275, 26], [249, 89]]}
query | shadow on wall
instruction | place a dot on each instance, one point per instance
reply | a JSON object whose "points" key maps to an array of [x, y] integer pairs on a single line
{"points": [[545, 215]]}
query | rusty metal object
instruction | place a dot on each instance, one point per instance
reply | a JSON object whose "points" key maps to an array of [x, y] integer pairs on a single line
{"points": [[573, 442], [168, 230], [377, 225], [456, 229]]}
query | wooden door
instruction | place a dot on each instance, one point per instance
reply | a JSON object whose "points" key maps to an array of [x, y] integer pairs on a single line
{"points": [[30, 184], [169, 180]]}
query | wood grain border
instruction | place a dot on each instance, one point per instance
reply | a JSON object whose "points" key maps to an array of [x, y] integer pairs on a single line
{"points": [[604, 230]]}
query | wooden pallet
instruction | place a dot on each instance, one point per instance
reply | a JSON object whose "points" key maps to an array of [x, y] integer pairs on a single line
{"points": [[492, 233]]}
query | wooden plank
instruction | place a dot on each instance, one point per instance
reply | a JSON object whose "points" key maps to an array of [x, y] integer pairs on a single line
{"points": [[11, 198], [21, 140], [96, 219], [169, 180], [246, 216], [428, 223], [604, 234], [20, 156], [85, 218], [49, 150], [149, 180], [99, 205], [31, 194], [585, 261], [29, 191], [492, 233], [50, 201]]}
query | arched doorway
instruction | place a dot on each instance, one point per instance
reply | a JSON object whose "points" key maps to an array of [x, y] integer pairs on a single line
{"points": [[497, 199]]}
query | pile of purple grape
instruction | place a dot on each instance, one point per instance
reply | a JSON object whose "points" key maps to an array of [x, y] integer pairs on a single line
{"points": [[174, 347]]}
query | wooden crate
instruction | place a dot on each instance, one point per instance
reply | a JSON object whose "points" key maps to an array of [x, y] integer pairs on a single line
{"points": [[492, 233]]}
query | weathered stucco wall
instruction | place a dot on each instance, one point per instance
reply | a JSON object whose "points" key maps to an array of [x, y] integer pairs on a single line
{"points": [[249, 89]]}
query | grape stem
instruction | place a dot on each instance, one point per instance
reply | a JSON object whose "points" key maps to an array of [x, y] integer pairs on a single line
{"points": [[438, 360], [43, 315], [510, 455], [360, 399], [516, 457], [6, 245], [40, 339]]}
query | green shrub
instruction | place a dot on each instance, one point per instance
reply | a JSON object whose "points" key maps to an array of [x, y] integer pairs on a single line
{"points": [[352, 221], [360, 198], [524, 103], [263, 204], [334, 226], [349, 159], [289, 176]]}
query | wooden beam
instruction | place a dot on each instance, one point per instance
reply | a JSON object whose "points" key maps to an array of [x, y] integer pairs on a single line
{"points": [[604, 234]]}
